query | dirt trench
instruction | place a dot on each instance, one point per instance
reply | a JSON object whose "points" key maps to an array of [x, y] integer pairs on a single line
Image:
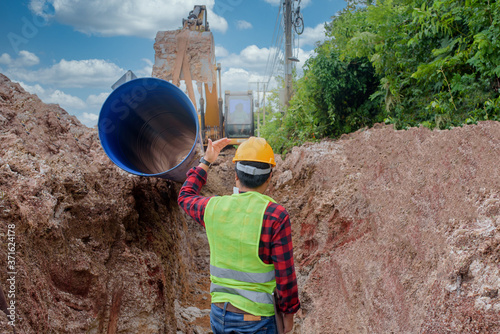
{"points": [[96, 250], [394, 231]]}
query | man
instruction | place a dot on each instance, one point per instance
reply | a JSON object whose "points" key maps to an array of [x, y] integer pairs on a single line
{"points": [[239, 120], [251, 251]]}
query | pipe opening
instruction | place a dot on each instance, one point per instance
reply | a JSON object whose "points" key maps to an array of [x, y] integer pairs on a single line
{"points": [[148, 127]]}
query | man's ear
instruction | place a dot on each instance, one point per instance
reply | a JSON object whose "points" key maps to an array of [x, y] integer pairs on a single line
{"points": [[237, 180], [269, 178]]}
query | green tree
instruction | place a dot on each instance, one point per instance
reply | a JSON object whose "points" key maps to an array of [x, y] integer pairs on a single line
{"points": [[413, 62], [432, 56]]}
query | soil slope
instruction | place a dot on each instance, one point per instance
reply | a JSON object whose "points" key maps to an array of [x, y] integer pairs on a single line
{"points": [[97, 250], [397, 231], [394, 231]]}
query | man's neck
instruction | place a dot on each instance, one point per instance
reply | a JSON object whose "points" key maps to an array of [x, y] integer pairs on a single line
{"points": [[245, 189], [260, 189]]}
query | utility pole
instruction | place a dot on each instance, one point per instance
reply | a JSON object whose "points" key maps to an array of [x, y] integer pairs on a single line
{"points": [[258, 112], [264, 100], [288, 51]]}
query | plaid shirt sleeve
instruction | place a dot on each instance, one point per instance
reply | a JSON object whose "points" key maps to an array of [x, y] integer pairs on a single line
{"points": [[276, 247], [189, 197], [275, 244]]}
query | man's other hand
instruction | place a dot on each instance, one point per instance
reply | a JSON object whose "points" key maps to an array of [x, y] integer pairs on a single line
{"points": [[214, 148]]}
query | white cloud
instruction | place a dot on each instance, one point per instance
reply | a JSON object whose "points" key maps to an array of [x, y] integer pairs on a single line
{"points": [[66, 101], [312, 35], [242, 24], [25, 59], [251, 57], [235, 76], [86, 111], [97, 100], [303, 56], [123, 17], [75, 73], [274, 2], [5, 59], [221, 51], [147, 70], [216, 22], [89, 117], [239, 79], [251, 65], [36, 89]]}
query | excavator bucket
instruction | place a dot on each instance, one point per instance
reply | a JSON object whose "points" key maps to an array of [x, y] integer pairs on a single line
{"points": [[185, 55], [189, 55]]}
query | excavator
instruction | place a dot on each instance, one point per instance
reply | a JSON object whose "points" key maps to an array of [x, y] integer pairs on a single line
{"points": [[150, 127], [189, 54]]}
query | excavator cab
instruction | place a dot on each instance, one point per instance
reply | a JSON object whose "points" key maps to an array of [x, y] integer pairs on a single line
{"points": [[238, 114]]}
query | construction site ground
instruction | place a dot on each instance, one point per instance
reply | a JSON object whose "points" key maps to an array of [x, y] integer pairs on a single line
{"points": [[393, 231]]}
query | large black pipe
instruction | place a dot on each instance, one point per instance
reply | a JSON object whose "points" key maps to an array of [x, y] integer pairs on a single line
{"points": [[149, 127]]}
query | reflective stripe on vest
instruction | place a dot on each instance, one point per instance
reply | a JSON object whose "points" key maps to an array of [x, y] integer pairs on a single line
{"points": [[242, 276], [258, 297]]}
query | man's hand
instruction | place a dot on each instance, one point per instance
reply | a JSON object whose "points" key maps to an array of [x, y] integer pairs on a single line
{"points": [[213, 150]]}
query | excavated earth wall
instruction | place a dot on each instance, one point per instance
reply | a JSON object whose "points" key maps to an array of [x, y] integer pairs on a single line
{"points": [[397, 231], [97, 250], [394, 231]]}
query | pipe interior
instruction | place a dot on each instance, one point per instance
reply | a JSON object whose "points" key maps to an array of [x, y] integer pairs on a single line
{"points": [[155, 132]]}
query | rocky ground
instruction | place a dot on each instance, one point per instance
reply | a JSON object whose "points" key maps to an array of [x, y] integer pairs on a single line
{"points": [[394, 231]]}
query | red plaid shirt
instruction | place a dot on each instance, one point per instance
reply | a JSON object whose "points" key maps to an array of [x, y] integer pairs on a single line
{"points": [[275, 245]]}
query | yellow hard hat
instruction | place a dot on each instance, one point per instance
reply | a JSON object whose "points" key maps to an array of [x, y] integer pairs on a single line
{"points": [[255, 149]]}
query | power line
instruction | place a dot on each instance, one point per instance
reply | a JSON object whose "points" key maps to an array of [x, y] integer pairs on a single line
{"points": [[273, 38], [276, 47]]}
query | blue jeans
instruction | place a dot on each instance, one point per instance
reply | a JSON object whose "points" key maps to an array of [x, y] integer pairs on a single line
{"points": [[225, 322]]}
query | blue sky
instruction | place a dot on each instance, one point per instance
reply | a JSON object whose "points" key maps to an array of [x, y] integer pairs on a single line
{"points": [[70, 52]]}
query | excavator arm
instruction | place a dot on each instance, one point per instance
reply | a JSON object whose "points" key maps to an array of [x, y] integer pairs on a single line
{"points": [[189, 54]]}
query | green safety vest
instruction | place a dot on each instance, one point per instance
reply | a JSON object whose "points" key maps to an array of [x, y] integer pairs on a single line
{"points": [[238, 275]]}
